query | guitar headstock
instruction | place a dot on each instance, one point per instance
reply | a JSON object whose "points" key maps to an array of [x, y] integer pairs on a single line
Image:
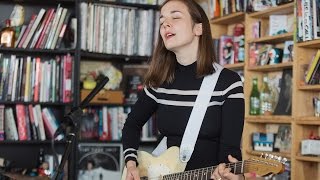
{"points": [[266, 164]]}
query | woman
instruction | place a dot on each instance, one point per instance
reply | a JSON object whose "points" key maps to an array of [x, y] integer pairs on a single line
{"points": [[182, 57]]}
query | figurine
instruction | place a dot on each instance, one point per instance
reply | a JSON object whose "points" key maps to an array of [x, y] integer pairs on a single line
{"points": [[17, 15]]}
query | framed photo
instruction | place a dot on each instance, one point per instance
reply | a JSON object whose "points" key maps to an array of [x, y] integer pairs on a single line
{"points": [[100, 161]]}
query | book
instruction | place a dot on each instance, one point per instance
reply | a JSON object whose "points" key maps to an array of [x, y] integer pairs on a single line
{"points": [[59, 27], [287, 52], [284, 104], [41, 28], [27, 31], [89, 124], [278, 24], [63, 29], [283, 138], [312, 67], [22, 30], [33, 28], [21, 122], [226, 50], [11, 131], [316, 19], [2, 122]]}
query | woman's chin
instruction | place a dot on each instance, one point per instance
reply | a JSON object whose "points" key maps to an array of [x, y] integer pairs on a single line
{"points": [[170, 47]]}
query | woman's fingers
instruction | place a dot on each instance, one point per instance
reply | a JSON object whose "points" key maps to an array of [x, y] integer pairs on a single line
{"points": [[217, 173], [232, 159], [132, 173]]}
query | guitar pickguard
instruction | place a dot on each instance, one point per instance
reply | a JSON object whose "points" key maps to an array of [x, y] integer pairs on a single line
{"points": [[156, 171]]}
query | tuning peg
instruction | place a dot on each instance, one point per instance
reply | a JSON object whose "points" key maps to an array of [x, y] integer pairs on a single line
{"points": [[271, 156], [279, 158], [284, 160], [276, 157], [261, 155], [266, 155]]}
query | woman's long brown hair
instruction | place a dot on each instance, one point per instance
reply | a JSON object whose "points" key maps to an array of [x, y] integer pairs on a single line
{"points": [[163, 61]]}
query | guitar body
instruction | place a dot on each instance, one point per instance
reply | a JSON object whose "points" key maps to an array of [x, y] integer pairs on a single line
{"points": [[155, 167], [168, 166]]}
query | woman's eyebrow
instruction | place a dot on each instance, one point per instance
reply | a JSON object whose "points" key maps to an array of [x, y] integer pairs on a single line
{"points": [[172, 12]]}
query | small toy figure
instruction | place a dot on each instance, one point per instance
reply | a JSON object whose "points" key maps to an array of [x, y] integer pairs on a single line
{"points": [[43, 170]]}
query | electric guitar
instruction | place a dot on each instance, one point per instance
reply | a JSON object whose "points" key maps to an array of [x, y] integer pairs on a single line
{"points": [[168, 166]]}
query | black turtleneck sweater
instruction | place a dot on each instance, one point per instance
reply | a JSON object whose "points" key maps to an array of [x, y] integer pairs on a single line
{"points": [[221, 129]]}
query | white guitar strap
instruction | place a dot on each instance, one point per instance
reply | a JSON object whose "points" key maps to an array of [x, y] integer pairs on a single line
{"points": [[195, 120]]}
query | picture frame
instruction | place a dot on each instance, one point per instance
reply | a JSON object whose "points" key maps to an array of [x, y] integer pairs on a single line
{"points": [[100, 161]]}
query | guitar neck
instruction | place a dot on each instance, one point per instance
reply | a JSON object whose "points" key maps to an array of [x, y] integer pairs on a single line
{"points": [[205, 173]]}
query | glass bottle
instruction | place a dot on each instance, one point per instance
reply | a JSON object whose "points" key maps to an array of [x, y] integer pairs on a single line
{"points": [[7, 35], [254, 98], [265, 98]]}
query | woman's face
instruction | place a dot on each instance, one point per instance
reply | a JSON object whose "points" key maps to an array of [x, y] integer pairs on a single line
{"points": [[176, 26]]}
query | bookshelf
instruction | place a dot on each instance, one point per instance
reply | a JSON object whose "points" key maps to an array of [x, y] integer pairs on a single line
{"points": [[259, 123], [25, 153], [302, 120], [10, 148]]}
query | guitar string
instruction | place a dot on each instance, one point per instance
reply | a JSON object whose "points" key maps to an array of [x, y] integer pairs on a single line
{"points": [[190, 172]]}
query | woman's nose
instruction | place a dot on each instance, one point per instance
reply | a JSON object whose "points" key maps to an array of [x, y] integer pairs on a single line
{"points": [[166, 23]]}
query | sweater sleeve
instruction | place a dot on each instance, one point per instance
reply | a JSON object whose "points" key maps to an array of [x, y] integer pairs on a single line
{"points": [[141, 112], [232, 121]]}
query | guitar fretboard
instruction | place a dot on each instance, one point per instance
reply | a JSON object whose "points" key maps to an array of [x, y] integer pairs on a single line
{"points": [[205, 173]]}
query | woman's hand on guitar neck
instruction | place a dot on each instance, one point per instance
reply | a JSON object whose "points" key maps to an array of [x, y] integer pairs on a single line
{"points": [[132, 171], [223, 173]]}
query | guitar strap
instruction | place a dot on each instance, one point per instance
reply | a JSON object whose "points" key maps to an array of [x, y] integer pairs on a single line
{"points": [[195, 120]]}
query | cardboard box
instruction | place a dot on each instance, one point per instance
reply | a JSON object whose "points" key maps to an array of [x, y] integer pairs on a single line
{"points": [[104, 97]]}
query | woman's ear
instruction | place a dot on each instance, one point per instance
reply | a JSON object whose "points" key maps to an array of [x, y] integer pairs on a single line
{"points": [[198, 29]]}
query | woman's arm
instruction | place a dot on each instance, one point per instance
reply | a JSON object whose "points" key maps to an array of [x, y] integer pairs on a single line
{"points": [[139, 115], [232, 122]]}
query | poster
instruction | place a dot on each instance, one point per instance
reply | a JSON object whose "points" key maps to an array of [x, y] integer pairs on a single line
{"points": [[100, 161]]}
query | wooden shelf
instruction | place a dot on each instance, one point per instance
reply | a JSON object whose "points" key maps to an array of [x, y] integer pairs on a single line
{"points": [[112, 57], [35, 52], [273, 39], [41, 2], [229, 19], [258, 153], [234, 66], [31, 142], [279, 10], [310, 120], [308, 158], [142, 142], [35, 103], [268, 68], [309, 87], [269, 119], [130, 5], [309, 44]]}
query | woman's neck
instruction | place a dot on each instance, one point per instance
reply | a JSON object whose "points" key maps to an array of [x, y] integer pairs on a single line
{"points": [[185, 59], [187, 55]]}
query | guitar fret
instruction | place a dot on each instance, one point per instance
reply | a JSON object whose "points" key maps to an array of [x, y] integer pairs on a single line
{"points": [[206, 173], [242, 167], [202, 173], [209, 172]]}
